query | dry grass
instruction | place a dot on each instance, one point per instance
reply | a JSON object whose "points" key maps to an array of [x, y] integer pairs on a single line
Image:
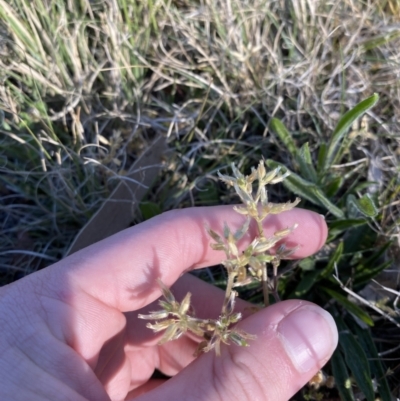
{"points": [[84, 82], [85, 86]]}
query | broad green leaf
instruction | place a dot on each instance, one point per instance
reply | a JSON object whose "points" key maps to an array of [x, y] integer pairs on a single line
{"points": [[356, 359], [333, 186], [307, 283], [149, 210], [330, 267], [305, 163], [367, 206], [327, 203], [348, 305], [365, 339], [306, 190], [352, 210], [279, 129], [297, 184], [344, 124], [307, 264], [304, 153], [342, 377], [301, 187], [361, 238]]}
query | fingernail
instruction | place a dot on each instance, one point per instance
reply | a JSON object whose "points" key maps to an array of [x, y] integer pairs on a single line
{"points": [[309, 336]]}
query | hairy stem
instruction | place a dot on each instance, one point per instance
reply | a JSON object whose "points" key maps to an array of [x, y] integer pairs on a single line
{"points": [[264, 270], [265, 285], [260, 228], [228, 290]]}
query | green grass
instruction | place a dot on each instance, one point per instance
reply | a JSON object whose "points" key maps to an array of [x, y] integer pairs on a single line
{"points": [[86, 86]]}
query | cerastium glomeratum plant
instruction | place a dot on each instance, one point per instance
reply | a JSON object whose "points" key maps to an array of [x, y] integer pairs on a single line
{"points": [[243, 267]]}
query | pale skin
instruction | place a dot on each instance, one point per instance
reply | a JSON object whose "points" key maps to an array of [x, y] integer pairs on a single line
{"points": [[71, 332]]}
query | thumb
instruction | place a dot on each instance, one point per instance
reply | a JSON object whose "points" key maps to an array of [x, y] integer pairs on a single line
{"points": [[294, 340]]}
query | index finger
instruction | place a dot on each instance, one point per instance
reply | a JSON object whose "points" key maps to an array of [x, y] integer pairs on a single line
{"points": [[122, 271]]}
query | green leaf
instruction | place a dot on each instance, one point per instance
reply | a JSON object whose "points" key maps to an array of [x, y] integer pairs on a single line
{"points": [[352, 210], [301, 187], [149, 210], [342, 377], [297, 184], [343, 225], [279, 129], [17, 27], [367, 206], [306, 283], [306, 190], [323, 148], [344, 124], [305, 163], [381, 40], [363, 185], [327, 203], [366, 274], [377, 255], [334, 185], [334, 260], [365, 339], [307, 264], [348, 305], [6, 126], [356, 359], [361, 238], [338, 226]]}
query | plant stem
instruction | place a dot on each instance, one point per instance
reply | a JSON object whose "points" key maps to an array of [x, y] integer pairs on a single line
{"points": [[265, 285], [275, 266], [228, 290], [264, 270], [260, 229]]}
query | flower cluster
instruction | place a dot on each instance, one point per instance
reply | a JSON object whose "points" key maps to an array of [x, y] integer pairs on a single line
{"points": [[242, 267], [175, 318]]}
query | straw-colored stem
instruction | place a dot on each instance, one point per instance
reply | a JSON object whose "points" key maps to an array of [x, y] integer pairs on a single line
{"points": [[275, 282], [265, 285], [260, 229], [228, 290]]}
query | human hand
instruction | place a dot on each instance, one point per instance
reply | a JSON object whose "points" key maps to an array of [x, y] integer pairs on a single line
{"points": [[71, 332]]}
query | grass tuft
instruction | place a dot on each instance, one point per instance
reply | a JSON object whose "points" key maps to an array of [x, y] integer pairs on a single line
{"points": [[86, 86]]}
